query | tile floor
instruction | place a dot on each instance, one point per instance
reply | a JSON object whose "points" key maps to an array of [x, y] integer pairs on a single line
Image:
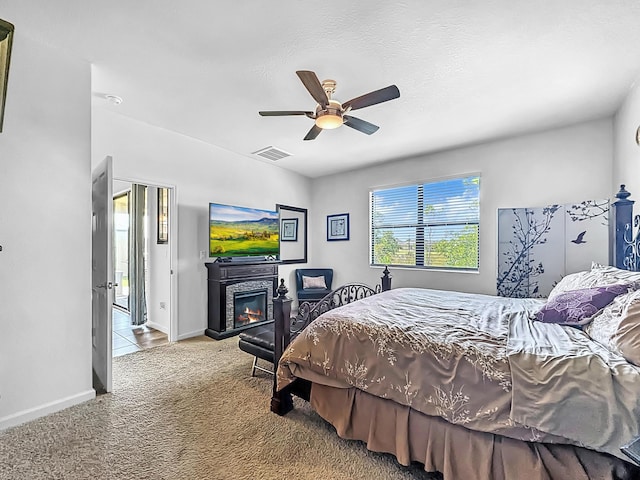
{"points": [[129, 338]]}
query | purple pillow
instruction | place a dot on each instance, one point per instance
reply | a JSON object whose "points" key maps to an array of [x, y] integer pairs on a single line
{"points": [[577, 307]]}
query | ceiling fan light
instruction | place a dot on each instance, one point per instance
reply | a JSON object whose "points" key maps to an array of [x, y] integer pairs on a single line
{"points": [[328, 121]]}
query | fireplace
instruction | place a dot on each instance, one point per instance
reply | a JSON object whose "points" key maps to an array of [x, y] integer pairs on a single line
{"points": [[249, 307], [240, 296]]}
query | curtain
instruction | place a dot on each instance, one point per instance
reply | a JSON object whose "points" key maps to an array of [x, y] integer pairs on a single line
{"points": [[137, 291]]}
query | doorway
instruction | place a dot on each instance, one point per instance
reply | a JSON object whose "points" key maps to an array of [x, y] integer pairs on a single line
{"points": [[121, 249], [142, 267]]}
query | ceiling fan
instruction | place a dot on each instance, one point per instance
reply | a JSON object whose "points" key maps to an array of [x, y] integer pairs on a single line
{"points": [[331, 113]]}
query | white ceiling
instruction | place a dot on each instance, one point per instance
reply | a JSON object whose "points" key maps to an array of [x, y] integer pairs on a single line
{"points": [[468, 71]]}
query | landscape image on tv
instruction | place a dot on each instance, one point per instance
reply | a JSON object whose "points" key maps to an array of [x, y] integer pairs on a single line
{"points": [[242, 232]]}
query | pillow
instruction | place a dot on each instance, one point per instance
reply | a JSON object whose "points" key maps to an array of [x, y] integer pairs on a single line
{"points": [[618, 274], [627, 335], [577, 307], [617, 327], [596, 277], [313, 282], [573, 281]]}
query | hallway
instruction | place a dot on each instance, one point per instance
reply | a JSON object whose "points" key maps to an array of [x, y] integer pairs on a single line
{"points": [[129, 338]]}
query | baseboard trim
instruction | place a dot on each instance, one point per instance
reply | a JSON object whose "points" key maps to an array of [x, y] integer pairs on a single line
{"points": [[196, 333], [43, 410], [159, 327]]}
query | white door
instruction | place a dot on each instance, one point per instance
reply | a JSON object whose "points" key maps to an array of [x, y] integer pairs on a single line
{"points": [[102, 272]]}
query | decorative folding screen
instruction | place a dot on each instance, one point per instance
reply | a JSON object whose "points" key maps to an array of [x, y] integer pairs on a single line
{"points": [[538, 246]]}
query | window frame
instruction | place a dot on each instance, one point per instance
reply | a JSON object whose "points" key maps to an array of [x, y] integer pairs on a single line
{"points": [[419, 262]]}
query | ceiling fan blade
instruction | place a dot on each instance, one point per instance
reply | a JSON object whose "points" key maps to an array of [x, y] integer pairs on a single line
{"points": [[313, 85], [360, 125], [313, 133], [371, 98], [278, 113]]}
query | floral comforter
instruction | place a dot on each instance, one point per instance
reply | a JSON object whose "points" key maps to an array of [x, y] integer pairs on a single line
{"points": [[454, 355]]}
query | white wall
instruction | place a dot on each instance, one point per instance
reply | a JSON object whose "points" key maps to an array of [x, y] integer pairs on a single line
{"points": [[626, 166], [201, 174], [45, 233], [158, 270], [558, 166]]}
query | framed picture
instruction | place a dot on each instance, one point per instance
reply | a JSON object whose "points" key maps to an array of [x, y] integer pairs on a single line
{"points": [[163, 215], [6, 40], [289, 230], [338, 227]]}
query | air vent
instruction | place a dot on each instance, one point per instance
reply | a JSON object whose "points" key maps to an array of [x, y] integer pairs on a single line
{"points": [[272, 153]]}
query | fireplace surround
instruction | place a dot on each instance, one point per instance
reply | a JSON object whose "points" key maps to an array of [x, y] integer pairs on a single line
{"points": [[240, 296]]}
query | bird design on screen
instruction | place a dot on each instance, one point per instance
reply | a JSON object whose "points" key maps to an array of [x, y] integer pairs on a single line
{"points": [[539, 246], [242, 232]]}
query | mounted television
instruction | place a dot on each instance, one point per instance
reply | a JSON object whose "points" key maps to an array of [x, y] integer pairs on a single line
{"points": [[242, 232]]}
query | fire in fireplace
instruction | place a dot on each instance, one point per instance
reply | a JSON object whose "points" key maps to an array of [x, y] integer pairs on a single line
{"points": [[249, 307]]}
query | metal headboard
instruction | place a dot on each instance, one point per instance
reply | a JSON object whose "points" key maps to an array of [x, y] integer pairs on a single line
{"points": [[625, 232]]}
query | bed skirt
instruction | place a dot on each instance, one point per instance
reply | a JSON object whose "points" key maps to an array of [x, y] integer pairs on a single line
{"points": [[456, 452]]}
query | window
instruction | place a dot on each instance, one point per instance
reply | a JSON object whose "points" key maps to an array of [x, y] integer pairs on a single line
{"points": [[429, 225]]}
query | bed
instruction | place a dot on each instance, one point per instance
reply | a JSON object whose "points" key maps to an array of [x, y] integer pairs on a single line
{"points": [[477, 386]]}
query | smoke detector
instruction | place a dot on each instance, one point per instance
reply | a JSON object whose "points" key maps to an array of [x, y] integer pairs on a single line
{"points": [[113, 99]]}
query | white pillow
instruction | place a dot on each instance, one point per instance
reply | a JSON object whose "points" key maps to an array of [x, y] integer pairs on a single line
{"points": [[313, 282], [586, 279], [615, 273], [599, 276], [573, 281], [616, 326]]}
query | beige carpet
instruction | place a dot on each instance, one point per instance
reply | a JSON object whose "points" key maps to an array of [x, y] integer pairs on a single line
{"points": [[188, 410]]}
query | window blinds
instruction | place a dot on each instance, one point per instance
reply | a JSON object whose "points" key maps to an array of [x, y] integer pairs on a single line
{"points": [[433, 225]]}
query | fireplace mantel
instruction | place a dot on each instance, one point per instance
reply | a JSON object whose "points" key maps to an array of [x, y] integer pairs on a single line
{"points": [[224, 280]]}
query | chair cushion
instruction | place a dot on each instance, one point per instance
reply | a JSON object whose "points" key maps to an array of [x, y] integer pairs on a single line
{"points": [[256, 351], [262, 336], [312, 294], [258, 341]]}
